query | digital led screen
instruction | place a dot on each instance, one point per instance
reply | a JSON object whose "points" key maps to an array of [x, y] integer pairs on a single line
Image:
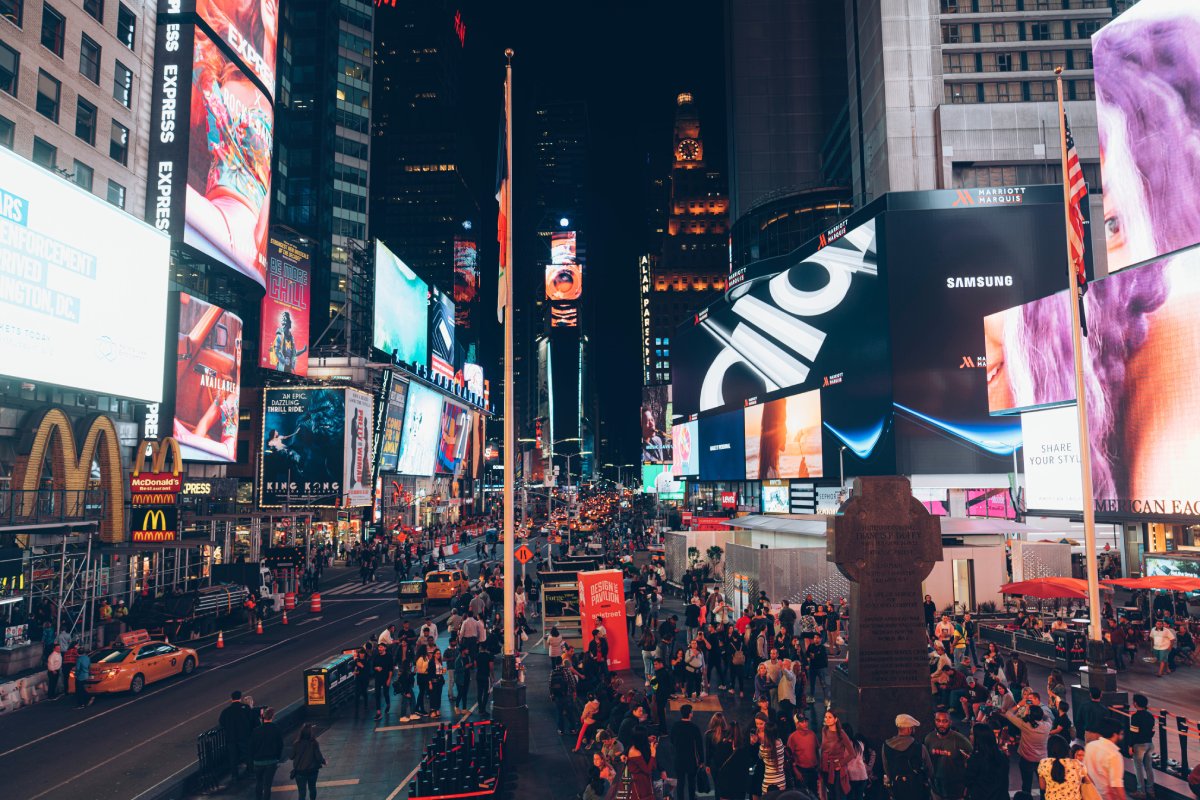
{"points": [[722, 447], [283, 345], [359, 445], [83, 287], [1142, 400], [441, 335], [685, 455], [454, 426], [564, 315], [208, 378], [1050, 454], [249, 27], [422, 431], [562, 247], [937, 299], [657, 479], [229, 163], [304, 446], [466, 280], [776, 497], [656, 424], [401, 309], [564, 281], [473, 378], [393, 425], [783, 438], [1146, 71], [1168, 565]]}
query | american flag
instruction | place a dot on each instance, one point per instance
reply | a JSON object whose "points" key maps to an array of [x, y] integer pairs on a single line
{"points": [[504, 198], [1077, 188]]}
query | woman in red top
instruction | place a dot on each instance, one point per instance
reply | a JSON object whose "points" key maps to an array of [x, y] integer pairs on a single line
{"points": [[642, 767]]}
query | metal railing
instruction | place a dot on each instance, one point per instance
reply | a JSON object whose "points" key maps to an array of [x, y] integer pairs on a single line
{"points": [[46, 506], [212, 752], [1177, 737]]}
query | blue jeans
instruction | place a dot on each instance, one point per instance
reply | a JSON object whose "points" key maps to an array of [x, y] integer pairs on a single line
{"points": [[815, 675], [1143, 766], [647, 664]]}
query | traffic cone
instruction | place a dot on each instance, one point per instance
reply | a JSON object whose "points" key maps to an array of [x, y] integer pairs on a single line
{"points": [[259, 629], [285, 622], [220, 640]]}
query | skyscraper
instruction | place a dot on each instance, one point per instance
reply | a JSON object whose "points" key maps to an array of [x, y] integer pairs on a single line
{"points": [[322, 159], [966, 97], [422, 193], [695, 255]]}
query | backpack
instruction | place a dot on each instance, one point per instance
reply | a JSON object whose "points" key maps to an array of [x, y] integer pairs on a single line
{"points": [[739, 657], [558, 683]]}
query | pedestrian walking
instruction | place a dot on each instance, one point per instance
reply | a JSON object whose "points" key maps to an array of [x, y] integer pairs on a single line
{"points": [[83, 674], [837, 752], [236, 724], [382, 669], [948, 751], [688, 744], [1103, 760], [266, 749], [906, 765], [1141, 742], [53, 670], [307, 761]]}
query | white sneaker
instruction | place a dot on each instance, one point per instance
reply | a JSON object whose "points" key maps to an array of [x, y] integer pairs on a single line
{"points": [[704, 694]]}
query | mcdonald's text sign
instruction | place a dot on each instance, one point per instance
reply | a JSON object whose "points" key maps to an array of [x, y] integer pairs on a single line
{"points": [[154, 524]]}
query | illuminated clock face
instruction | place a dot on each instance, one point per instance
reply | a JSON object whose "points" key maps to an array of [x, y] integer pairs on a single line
{"points": [[688, 150]]}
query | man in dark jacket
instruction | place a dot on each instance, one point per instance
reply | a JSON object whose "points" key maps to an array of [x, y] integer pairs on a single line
{"points": [[688, 744], [236, 723], [1089, 715], [636, 717], [266, 748]]}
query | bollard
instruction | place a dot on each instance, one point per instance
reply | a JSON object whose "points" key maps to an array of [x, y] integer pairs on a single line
{"points": [[1182, 724], [1162, 739]]}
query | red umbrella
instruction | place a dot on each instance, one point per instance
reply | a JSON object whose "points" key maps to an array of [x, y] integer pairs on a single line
{"points": [[1175, 583], [1069, 588]]}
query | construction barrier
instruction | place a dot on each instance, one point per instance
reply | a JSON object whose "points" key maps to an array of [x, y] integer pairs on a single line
{"points": [[314, 605], [289, 601]]}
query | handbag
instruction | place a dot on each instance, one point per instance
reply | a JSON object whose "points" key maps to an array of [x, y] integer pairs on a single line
{"points": [[638, 620], [703, 781], [1088, 791]]}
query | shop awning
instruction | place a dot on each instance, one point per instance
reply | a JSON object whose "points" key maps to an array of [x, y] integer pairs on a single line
{"points": [[1174, 583], [815, 525]]}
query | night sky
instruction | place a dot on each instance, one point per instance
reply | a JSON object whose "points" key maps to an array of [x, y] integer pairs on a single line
{"points": [[627, 61]]}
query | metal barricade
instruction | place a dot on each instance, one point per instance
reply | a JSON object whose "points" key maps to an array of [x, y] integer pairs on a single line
{"points": [[212, 751]]}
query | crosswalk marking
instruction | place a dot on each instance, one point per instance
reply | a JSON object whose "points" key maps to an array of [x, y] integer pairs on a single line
{"points": [[363, 588]]}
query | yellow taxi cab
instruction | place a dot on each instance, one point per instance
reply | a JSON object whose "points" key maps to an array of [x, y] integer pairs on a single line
{"points": [[135, 661], [445, 584]]}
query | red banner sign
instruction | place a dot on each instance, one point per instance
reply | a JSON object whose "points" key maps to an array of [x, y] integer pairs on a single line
{"points": [[602, 594], [729, 500], [155, 482]]}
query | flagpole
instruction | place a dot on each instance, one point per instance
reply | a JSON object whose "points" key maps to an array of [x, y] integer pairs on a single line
{"points": [[1095, 634], [510, 454]]}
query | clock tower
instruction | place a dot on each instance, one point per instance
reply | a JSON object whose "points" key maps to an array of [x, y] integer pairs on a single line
{"points": [[695, 258]]}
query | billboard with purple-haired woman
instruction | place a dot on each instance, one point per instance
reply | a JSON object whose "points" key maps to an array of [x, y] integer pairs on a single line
{"points": [[1147, 69], [1143, 393]]}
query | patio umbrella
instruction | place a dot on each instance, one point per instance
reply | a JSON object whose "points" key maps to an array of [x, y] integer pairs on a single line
{"points": [[1174, 583], [1055, 587]]}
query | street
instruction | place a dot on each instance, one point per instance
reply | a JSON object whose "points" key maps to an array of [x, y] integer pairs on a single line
{"points": [[124, 747]]}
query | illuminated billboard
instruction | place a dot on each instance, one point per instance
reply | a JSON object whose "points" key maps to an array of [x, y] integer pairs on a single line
{"points": [[723, 447], [685, 453], [401, 309], [783, 438], [208, 374], [1142, 398], [303, 448], [466, 280], [1146, 74], [473, 378], [284, 341], [1051, 459], [393, 425], [564, 276], [564, 315], [452, 437], [210, 152], [881, 315], [83, 287], [657, 479], [656, 424], [422, 431], [441, 335], [249, 27], [359, 445], [776, 497]]}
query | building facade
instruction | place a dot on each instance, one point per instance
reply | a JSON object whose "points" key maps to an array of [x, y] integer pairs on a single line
{"points": [[961, 94], [321, 184], [75, 92]]}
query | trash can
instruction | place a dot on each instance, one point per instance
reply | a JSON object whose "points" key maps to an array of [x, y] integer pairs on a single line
{"points": [[328, 685]]}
